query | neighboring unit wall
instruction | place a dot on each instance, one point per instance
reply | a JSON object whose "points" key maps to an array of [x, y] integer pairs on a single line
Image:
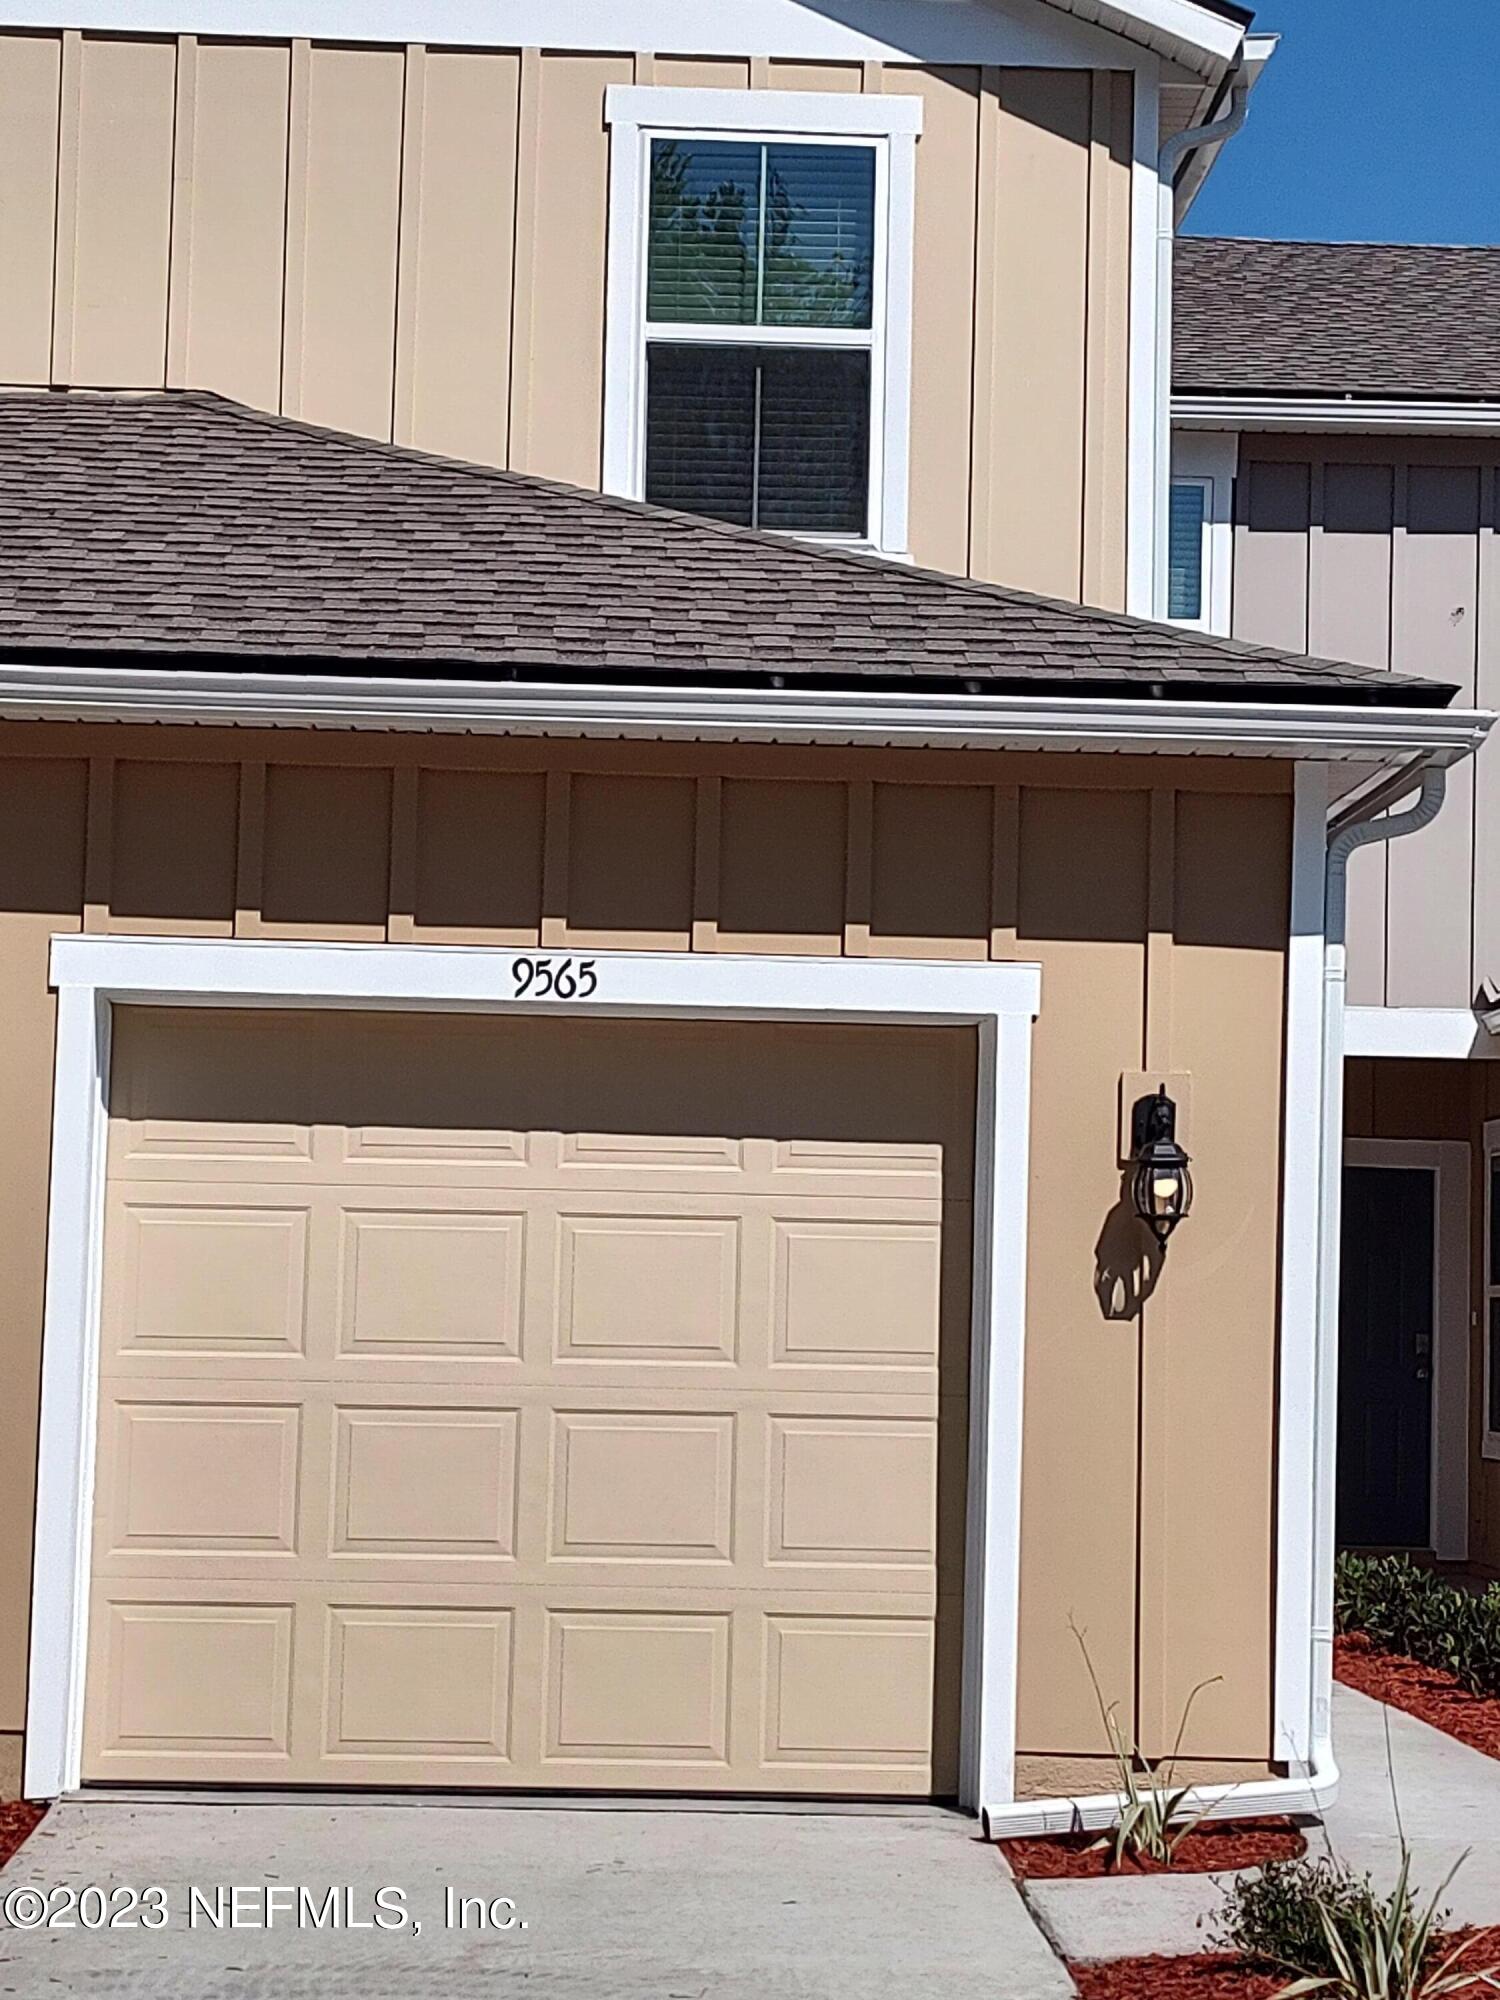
{"points": [[1385, 552], [409, 243], [1155, 897], [1396, 1098]]}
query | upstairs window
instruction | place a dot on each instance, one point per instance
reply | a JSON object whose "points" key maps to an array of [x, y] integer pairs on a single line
{"points": [[751, 250], [759, 302], [1185, 527]]}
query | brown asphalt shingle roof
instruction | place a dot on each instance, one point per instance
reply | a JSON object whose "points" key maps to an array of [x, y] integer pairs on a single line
{"points": [[1418, 320], [182, 526]]}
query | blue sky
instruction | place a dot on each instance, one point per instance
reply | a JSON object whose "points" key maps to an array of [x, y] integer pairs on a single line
{"points": [[1377, 121]]}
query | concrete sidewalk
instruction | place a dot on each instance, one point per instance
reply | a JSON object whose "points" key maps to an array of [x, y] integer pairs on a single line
{"points": [[617, 1905], [1449, 1799]]}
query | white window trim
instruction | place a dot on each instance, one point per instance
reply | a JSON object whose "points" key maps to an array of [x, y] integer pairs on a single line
{"points": [[1489, 1440], [1448, 1161], [1211, 460], [94, 974], [636, 114]]}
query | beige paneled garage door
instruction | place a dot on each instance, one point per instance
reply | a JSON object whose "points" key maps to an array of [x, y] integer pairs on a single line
{"points": [[531, 1402]]}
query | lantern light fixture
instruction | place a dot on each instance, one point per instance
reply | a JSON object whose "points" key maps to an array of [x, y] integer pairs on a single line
{"points": [[1161, 1185]]}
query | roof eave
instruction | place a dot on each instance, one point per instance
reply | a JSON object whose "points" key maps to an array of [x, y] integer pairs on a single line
{"points": [[1325, 732], [1434, 416], [1202, 39]]}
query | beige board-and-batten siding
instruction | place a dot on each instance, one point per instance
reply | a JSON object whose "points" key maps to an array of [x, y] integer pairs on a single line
{"points": [[409, 243], [1153, 894], [1385, 551]]}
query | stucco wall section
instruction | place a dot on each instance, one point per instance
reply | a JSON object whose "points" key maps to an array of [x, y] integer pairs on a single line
{"points": [[409, 243], [1153, 894]]}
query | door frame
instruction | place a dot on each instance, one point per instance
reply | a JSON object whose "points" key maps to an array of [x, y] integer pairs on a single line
{"points": [[1448, 1160], [94, 974]]}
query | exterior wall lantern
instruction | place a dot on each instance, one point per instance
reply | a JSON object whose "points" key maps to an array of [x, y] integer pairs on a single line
{"points": [[1161, 1185]]}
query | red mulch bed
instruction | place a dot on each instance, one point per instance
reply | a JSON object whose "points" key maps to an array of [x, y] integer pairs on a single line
{"points": [[1207, 1850], [17, 1820], [1207, 1977], [1429, 1693], [1201, 1978]]}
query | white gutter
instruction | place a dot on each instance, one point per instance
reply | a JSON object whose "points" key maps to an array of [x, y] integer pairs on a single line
{"points": [[882, 716], [1173, 152], [1336, 413]]}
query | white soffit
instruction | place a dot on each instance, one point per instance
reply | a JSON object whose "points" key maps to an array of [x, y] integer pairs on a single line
{"points": [[930, 31], [875, 718]]}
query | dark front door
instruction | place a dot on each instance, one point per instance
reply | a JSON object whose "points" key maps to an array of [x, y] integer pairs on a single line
{"points": [[1385, 1358]]}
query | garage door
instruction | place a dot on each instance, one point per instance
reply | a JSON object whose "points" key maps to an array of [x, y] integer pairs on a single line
{"points": [[531, 1402]]}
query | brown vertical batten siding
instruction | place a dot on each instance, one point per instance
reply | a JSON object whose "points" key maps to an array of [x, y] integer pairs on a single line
{"points": [[1154, 893], [1385, 552], [409, 243]]}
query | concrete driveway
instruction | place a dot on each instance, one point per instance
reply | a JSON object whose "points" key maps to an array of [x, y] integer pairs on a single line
{"points": [[653, 1904]]}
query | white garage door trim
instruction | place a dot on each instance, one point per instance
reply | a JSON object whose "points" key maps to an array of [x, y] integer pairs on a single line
{"points": [[92, 974]]}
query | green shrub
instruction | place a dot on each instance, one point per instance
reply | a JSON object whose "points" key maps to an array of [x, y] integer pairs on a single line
{"points": [[1327, 1927], [1406, 1609], [1272, 1914]]}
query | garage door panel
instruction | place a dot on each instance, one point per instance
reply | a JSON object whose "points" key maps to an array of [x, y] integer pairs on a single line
{"points": [[195, 1680], [208, 1277], [530, 1406], [212, 1478], [851, 1691], [426, 1282]]}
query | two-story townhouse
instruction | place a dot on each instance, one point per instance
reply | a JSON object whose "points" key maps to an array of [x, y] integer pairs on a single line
{"points": [[545, 1247], [1337, 452]]}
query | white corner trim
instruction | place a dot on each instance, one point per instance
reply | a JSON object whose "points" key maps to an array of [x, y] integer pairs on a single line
{"points": [[1337, 414], [94, 974], [890, 125], [882, 716], [1303, 1141], [1448, 1161], [1212, 458], [1450, 1032], [767, 113]]}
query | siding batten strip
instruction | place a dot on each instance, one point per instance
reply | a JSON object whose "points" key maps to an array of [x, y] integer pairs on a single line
{"points": [[555, 859], [1005, 871], [706, 846], [250, 850], [859, 869], [65, 261], [98, 850], [180, 239], [401, 918], [523, 277], [408, 244], [1154, 1726], [294, 282]]}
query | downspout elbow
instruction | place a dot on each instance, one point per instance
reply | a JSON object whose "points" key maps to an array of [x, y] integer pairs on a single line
{"points": [[1366, 831], [1176, 149]]}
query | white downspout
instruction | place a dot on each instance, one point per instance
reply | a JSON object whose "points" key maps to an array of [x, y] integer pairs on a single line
{"points": [[1168, 159], [1362, 833]]}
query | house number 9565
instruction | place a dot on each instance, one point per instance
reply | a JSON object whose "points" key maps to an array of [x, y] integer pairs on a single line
{"points": [[555, 978]]}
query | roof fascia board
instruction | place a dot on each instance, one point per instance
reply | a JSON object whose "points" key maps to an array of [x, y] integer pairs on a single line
{"points": [[1335, 413], [1020, 33], [879, 718], [1181, 30]]}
